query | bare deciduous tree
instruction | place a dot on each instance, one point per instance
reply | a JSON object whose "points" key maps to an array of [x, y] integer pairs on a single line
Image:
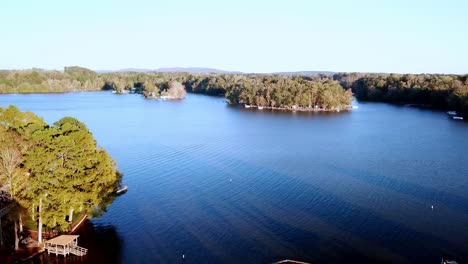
{"points": [[176, 90]]}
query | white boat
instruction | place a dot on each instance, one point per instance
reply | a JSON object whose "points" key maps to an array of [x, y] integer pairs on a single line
{"points": [[452, 113], [260, 108], [355, 107], [247, 106], [457, 117], [121, 189]]}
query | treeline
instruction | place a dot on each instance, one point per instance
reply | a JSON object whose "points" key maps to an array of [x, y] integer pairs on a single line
{"points": [[274, 91], [40, 81], [49, 173], [74, 79], [432, 90]]}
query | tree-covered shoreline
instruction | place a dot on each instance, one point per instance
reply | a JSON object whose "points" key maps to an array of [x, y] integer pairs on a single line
{"points": [[50, 173], [439, 91], [286, 92], [283, 92]]}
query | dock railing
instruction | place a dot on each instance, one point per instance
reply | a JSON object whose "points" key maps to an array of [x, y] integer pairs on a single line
{"points": [[79, 251]]}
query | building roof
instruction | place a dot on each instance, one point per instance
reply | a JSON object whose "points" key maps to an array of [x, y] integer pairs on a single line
{"points": [[62, 240]]}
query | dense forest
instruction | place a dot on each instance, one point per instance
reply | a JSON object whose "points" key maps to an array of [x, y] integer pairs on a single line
{"points": [[50, 173], [273, 91]]}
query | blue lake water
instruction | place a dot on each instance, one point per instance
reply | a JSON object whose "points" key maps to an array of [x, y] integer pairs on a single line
{"points": [[211, 183]]}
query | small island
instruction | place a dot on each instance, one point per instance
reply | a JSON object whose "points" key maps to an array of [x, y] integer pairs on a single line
{"points": [[318, 95]]}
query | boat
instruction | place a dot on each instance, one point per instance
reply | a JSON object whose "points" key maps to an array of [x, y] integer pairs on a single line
{"points": [[247, 106], [121, 189], [452, 113], [355, 107], [260, 108], [457, 117]]}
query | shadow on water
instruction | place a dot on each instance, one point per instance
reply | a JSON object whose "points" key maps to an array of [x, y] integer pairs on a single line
{"points": [[367, 230], [102, 241]]}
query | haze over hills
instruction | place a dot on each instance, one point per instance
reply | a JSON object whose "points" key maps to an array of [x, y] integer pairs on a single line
{"points": [[174, 69], [202, 70], [212, 70], [306, 73]]}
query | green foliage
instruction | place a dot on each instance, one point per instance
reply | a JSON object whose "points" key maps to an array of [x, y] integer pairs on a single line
{"points": [[39, 81], [24, 123], [79, 71], [60, 166]]}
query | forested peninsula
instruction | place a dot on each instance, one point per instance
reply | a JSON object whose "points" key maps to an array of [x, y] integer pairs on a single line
{"points": [[440, 91], [50, 174], [276, 91]]}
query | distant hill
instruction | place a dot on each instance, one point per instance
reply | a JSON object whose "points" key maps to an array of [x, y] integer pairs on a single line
{"points": [[212, 70], [175, 69], [125, 70], [196, 70], [306, 73]]}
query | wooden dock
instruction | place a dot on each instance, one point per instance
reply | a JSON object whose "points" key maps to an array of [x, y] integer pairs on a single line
{"points": [[65, 245]]}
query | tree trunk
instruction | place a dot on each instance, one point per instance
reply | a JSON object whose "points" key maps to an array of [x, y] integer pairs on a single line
{"points": [[39, 225], [20, 220], [1, 233], [16, 236], [70, 217]]}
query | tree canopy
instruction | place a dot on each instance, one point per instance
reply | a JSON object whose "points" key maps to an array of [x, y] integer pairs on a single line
{"points": [[53, 171]]}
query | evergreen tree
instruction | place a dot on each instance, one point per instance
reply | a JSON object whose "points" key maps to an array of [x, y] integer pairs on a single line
{"points": [[52, 171]]}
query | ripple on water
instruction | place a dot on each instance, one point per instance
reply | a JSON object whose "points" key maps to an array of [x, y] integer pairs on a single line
{"points": [[222, 185]]}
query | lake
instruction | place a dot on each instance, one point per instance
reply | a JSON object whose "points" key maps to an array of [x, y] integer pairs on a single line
{"points": [[212, 183]]}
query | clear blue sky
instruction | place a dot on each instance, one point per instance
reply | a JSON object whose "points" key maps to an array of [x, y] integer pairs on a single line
{"points": [[245, 35]]}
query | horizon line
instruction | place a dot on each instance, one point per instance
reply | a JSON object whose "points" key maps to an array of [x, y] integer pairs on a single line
{"points": [[180, 69]]}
